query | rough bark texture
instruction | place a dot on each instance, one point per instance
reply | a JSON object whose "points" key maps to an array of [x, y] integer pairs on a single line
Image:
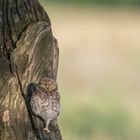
{"points": [[28, 52]]}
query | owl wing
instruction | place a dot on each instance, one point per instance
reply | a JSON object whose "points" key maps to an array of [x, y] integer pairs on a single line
{"points": [[57, 102], [57, 96]]}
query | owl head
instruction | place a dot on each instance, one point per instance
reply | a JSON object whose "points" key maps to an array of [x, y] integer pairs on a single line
{"points": [[48, 84]]}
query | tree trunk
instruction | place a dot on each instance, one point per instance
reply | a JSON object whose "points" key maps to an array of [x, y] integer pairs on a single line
{"points": [[28, 52]]}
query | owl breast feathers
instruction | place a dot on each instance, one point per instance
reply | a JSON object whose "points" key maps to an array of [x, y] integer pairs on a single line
{"points": [[45, 101]]}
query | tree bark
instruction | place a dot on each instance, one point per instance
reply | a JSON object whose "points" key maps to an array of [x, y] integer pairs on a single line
{"points": [[28, 52]]}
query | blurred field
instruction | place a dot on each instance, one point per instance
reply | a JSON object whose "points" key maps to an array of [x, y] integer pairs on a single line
{"points": [[99, 71]]}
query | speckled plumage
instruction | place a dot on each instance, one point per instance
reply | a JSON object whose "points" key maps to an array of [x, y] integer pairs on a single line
{"points": [[45, 101]]}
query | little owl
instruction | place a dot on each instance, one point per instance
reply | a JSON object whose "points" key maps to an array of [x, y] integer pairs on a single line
{"points": [[45, 101]]}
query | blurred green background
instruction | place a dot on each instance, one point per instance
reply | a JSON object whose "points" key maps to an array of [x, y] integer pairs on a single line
{"points": [[99, 2], [99, 67]]}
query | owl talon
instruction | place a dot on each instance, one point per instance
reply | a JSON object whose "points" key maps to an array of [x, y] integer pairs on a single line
{"points": [[46, 130]]}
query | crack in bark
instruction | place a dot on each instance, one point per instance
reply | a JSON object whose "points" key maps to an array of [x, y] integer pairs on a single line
{"points": [[35, 130], [10, 64]]}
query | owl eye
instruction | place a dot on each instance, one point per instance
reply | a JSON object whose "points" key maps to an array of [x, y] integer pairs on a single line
{"points": [[52, 87]]}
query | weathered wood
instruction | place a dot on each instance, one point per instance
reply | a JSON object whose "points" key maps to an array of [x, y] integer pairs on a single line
{"points": [[15, 17], [28, 52]]}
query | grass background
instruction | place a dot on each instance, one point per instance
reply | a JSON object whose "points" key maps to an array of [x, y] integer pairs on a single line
{"points": [[99, 69]]}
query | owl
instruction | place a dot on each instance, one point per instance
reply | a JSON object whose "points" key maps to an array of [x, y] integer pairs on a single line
{"points": [[45, 101]]}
